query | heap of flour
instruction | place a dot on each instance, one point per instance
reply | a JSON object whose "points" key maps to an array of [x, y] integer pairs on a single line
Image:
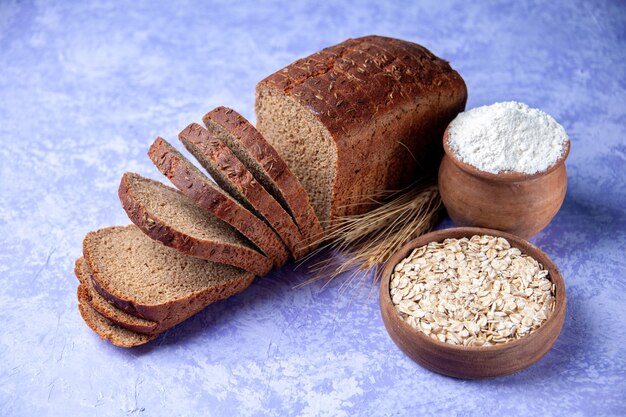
{"points": [[508, 136]]}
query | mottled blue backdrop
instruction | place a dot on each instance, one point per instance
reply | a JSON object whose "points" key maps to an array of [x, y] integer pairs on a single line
{"points": [[86, 86]]}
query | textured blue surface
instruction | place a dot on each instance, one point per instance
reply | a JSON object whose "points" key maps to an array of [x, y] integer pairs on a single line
{"points": [[84, 88]]}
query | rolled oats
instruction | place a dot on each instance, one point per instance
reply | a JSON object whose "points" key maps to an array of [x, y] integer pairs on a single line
{"points": [[473, 292]]}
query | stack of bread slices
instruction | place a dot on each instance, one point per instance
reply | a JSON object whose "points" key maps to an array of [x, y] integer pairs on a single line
{"points": [[334, 129], [200, 242]]}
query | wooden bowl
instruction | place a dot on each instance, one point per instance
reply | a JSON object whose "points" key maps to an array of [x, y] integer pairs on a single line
{"points": [[472, 362], [513, 202]]}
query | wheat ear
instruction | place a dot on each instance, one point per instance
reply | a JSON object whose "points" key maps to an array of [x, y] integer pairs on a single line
{"points": [[364, 242]]}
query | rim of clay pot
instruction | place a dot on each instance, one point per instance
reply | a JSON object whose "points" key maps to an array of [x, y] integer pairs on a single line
{"points": [[505, 176], [526, 248]]}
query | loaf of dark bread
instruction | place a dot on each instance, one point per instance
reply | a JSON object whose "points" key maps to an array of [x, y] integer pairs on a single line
{"points": [[358, 118]]}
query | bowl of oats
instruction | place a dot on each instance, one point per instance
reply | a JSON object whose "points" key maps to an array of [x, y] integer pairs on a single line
{"points": [[472, 303]]}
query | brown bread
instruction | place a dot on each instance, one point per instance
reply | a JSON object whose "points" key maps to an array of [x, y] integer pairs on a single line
{"points": [[358, 118], [107, 309], [232, 176], [146, 279], [198, 187], [167, 215], [267, 166], [106, 329]]}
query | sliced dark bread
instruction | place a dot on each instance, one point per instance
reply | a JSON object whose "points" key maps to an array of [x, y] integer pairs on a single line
{"points": [[105, 328], [167, 215], [149, 280], [107, 309], [232, 176], [267, 166], [198, 187]]}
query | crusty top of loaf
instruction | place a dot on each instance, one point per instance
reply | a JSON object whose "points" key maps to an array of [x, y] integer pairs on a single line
{"points": [[347, 84], [384, 102]]}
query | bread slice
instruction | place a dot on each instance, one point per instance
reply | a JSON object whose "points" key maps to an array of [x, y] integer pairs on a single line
{"points": [[146, 279], [232, 176], [167, 215], [106, 329], [361, 117], [267, 166], [108, 310], [198, 187]]}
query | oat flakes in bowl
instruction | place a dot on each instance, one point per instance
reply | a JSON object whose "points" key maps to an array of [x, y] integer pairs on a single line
{"points": [[472, 303]]}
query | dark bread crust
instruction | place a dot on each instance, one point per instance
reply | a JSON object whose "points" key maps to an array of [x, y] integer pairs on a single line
{"points": [[294, 194], [106, 329], [213, 250], [169, 313], [198, 140], [385, 102], [207, 194], [107, 309]]}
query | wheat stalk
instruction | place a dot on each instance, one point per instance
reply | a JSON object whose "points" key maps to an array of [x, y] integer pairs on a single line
{"points": [[364, 242]]}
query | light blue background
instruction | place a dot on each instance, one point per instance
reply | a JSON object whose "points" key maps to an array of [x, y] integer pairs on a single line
{"points": [[86, 86]]}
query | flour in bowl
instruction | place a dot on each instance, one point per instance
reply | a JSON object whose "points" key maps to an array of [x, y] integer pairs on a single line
{"points": [[507, 136]]}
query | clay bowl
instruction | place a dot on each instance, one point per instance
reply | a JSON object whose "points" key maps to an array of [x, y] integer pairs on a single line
{"points": [[516, 203], [472, 362]]}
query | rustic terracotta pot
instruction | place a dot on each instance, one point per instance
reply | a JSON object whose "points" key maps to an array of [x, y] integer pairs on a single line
{"points": [[517, 203], [472, 362]]}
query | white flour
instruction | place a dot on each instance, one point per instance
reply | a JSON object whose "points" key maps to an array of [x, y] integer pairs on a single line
{"points": [[507, 136]]}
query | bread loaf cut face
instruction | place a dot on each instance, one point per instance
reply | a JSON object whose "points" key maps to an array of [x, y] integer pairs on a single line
{"points": [[358, 118], [303, 142]]}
